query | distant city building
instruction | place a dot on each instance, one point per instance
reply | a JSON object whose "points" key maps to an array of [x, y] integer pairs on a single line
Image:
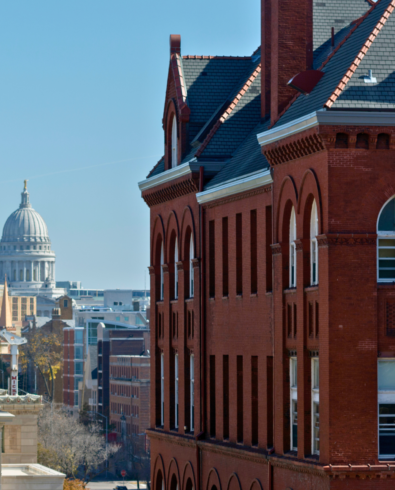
{"points": [[129, 393], [26, 257]]}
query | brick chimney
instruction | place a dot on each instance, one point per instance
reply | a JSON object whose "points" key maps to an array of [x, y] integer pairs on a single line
{"points": [[289, 25]]}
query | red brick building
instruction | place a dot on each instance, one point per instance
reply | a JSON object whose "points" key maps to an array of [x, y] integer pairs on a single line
{"points": [[129, 393], [273, 258]]}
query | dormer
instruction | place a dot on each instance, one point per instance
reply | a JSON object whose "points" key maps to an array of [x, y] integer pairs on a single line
{"points": [[176, 113]]}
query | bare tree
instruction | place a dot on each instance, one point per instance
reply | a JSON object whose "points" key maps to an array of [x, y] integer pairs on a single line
{"points": [[134, 458], [67, 445]]}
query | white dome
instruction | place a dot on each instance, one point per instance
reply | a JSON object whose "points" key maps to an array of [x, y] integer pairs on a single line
{"points": [[25, 225]]}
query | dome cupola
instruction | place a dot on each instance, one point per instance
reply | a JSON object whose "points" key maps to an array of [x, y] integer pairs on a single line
{"points": [[25, 225]]}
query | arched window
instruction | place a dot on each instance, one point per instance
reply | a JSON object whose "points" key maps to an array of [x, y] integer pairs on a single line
{"points": [[292, 250], [175, 269], [162, 389], [176, 390], [386, 243], [174, 143], [162, 261], [314, 244], [191, 257]]}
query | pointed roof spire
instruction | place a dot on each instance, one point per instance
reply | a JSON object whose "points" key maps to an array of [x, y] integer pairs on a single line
{"points": [[5, 316], [25, 203]]}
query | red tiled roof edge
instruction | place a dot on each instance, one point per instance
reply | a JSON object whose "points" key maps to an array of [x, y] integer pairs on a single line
{"points": [[198, 57], [175, 63], [149, 175], [229, 110], [365, 48], [356, 23]]}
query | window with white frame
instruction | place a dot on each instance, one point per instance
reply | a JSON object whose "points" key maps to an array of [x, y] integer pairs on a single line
{"points": [[293, 370], [175, 269], [386, 408], [292, 249], [314, 244], [315, 405], [176, 391], [192, 391], [174, 143], [162, 389], [162, 261], [191, 257], [386, 243]]}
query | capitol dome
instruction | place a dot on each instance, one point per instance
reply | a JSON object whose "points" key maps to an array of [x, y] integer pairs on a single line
{"points": [[25, 224]]}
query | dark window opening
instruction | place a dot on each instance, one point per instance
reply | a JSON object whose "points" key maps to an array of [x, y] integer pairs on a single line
{"points": [[240, 415], [225, 418], [254, 252], [254, 400], [383, 141], [269, 241], [239, 254], [225, 258], [212, 397], [317, 319], [211, 245], [362, 141], [341, 140]]}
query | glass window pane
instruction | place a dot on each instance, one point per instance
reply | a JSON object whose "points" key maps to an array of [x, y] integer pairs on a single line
{"points": [[387, 252], [386, 375], [387, 217], [386, 264], [386, 274], [79, 337], [387, 443], [387, 409]]}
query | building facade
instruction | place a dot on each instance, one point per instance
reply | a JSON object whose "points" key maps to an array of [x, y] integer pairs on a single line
{"points": [[272, 258], [129, 394]]}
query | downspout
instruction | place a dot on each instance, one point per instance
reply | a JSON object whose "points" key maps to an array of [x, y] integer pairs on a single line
{"points": [[201, 435]]}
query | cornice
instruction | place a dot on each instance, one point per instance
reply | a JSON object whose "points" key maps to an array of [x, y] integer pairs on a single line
{"points": [[329, 118], [236, 186], [172, 191]]}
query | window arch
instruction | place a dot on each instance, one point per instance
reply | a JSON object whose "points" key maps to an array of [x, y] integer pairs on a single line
{"points": [[174, 142], [292, 249], [162, 261], [314, 244], [191, 257], [386, 242]]}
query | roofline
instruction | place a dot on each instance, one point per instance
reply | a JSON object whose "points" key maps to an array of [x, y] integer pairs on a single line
{"points": [[338, 118], [235, 186], [174, 173]]}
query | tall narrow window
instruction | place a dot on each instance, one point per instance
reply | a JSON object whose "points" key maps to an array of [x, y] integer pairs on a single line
{"points": [[176, 391], [269, 400], [386, 402], [293, 369], [175, 269], [240, 414], [192, 391], [191, 257], [386, 243], [292, 250], [225, 418], [269, 241], [254, 400], [295, 320], [225, 259], [174, 143], [254, 252], [315, 405], [211, 247], [314, 245], [162, 261], [317, 319], [162, 389], [212, 397], [239, 254]]}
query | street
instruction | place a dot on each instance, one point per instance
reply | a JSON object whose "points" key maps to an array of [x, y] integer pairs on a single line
{"points": [[110, 485]]}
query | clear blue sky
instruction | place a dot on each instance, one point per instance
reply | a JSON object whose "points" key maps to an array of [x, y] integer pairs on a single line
{"points": [[82, 86]]}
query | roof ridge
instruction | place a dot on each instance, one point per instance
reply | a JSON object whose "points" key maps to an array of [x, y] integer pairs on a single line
{"points": [[201, 57], [229, 109], [156, 166], [362, 52]]}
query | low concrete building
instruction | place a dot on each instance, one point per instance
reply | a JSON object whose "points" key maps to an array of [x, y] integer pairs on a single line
{"points": [[19, 468]]}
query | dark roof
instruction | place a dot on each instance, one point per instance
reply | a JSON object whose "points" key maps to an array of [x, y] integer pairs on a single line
{"points": [[335, 69], [158, 169], [338, 14], [247, 159]]}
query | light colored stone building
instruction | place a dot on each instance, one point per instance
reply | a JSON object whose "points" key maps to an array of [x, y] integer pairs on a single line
{"points": [[19, 468]]}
